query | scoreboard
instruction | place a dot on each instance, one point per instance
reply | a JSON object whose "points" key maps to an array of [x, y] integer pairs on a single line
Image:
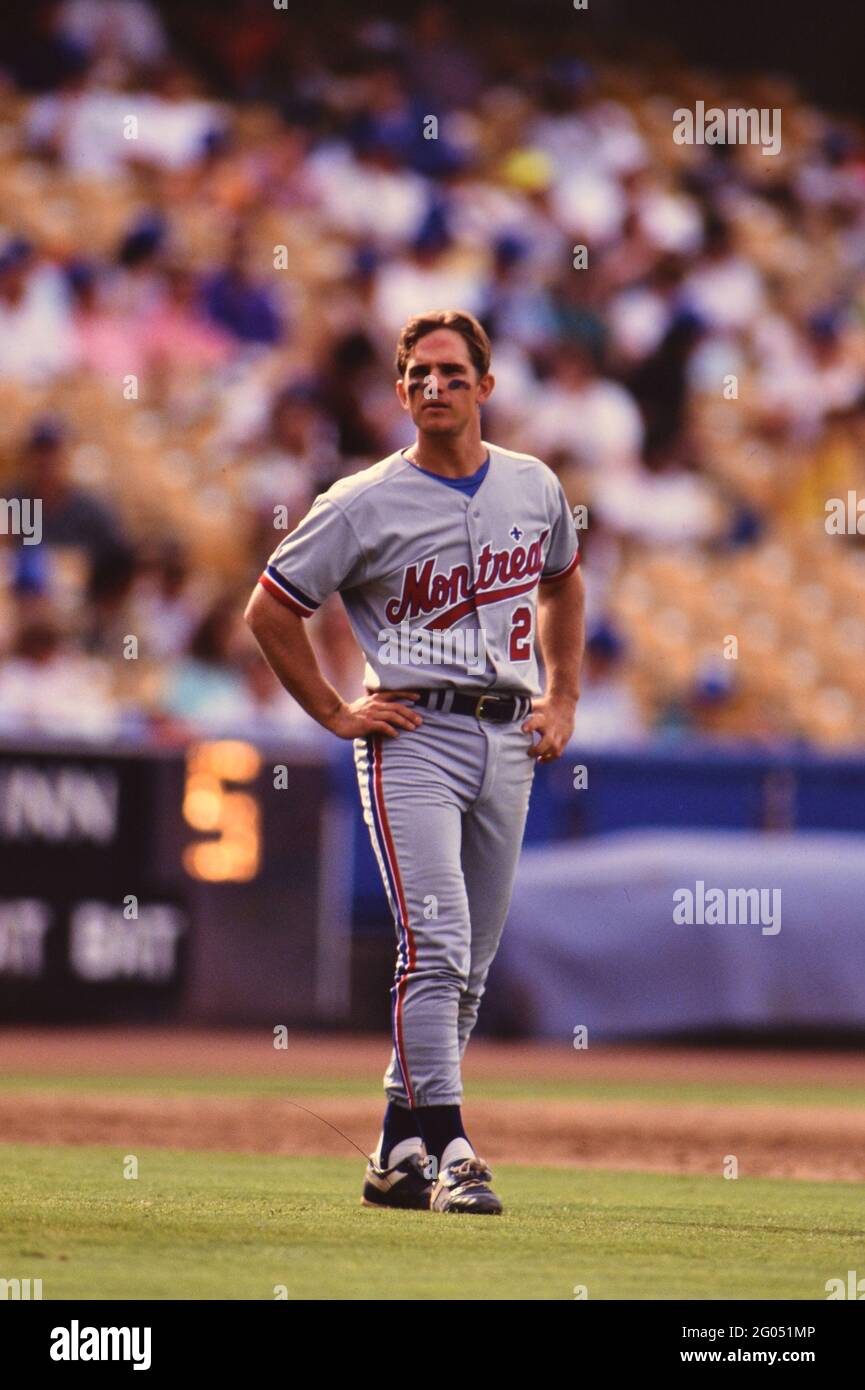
{"points": [[210, 883]]}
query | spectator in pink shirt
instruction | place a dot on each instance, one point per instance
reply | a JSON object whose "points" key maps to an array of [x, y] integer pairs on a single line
{"points": [[105, 340], [177, 333]]}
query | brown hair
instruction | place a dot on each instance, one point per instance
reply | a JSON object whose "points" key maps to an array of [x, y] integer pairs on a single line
{"points": [[457, 319]]}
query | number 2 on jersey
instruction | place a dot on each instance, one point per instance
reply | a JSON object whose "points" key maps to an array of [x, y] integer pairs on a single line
{"points": [[521, 635]]}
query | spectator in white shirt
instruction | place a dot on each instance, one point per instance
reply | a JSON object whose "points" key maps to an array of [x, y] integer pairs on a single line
{"points": [[51, 690], [724, 289], [582, 415], [608, 714], [37, 340]]}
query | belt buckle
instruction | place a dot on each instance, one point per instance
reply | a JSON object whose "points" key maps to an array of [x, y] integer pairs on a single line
{"points": [[498, 702]]}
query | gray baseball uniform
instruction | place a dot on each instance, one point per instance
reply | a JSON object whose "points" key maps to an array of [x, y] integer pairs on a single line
{"points": [[416, 559]]}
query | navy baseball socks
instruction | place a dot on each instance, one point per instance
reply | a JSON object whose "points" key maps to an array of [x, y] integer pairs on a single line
{"points": [[400, 1135], [443, 1134], [461, 1184], [399, 1172], [395, 1175]]}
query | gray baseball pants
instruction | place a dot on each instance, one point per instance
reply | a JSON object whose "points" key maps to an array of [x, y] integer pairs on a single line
{"points": [[446, 807]]}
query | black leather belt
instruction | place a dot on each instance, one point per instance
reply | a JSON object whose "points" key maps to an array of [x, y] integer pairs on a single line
{"points": [[491, 706]]}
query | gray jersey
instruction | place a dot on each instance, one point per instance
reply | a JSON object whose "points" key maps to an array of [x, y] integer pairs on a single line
{"points": [[440, 586]]}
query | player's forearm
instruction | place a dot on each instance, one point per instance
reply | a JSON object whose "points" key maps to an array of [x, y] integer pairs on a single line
{"points": [[282, 637], [561, 635]]}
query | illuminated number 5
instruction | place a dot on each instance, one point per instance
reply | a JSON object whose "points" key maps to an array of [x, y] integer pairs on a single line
{"points": [[229, 817], [521, 635]]}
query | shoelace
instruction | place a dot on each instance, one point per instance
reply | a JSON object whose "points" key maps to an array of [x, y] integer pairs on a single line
{"points": [[472, 1170]]}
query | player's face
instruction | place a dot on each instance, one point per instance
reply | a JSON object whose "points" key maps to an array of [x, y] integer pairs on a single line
{"points": [[440, 386]]}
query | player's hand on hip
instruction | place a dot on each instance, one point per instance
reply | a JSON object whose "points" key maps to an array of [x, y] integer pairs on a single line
{"points": [[552, 717], [380, 712]]}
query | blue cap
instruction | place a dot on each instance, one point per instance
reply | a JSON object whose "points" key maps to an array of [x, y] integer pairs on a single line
{"points": [[16, 251], [604, 640], [46, 432]]}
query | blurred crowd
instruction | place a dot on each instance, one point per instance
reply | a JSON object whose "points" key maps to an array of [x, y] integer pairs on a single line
{"points": [[214, 221]]}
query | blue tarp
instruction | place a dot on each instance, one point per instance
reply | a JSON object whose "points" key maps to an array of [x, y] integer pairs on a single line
{"points": [[591, 938]]}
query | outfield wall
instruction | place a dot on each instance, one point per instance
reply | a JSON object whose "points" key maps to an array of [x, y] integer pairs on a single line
{"points": [[230, 883]]}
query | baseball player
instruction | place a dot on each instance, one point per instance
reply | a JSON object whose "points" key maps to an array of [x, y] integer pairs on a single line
{"points": [[454, 559]]}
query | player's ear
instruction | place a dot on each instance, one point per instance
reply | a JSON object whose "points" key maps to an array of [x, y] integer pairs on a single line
{"points": [[486, 386], [402, 393]]}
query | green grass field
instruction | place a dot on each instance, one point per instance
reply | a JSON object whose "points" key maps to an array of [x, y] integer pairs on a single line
{"points": [[210, 1225], [202, 1226]]}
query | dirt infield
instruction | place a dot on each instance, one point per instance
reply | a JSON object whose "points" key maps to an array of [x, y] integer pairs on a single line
{"points": [[232, 1052], [767, 1141], [820, 1142]]}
